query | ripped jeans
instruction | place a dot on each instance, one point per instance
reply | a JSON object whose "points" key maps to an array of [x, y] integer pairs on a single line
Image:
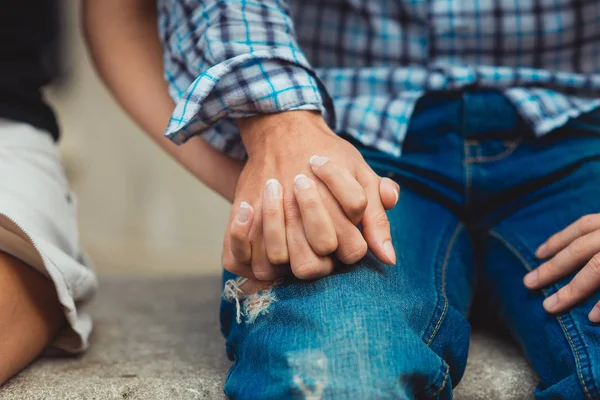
{"points": [[479, 194]]}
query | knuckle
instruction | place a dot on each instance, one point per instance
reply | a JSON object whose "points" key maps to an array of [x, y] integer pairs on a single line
{"points": [[264, 273], [308, 203], [290, 208], [594, 265], [381, 220], [577, 248], [354, 253], [325, 245], [238, 235], [313, 269], [571, 291], [271, 212], [548, 269], [358, 205], [278, 255]]}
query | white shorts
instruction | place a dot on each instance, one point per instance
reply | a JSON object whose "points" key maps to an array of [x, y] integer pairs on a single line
{"points": [[38, 223]]}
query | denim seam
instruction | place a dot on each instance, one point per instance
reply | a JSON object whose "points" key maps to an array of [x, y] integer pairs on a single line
{"points": [[528, 267], [483, 159], [566, 330], [443, 282], [445, 373]]}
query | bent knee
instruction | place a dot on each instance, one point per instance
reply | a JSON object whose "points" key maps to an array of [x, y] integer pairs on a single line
{"points": [[30, 315], [344, 369]]}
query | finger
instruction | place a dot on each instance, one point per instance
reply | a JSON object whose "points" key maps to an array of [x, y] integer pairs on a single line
{"points": [[572, 257], [560, 240], [262, 268], [274, 223], [389, 192], [239, 231], [231, 264], [318, 226], [305, 264], [594, 314], [352, 247], [344, 187], [376, 226], [583, 285]]}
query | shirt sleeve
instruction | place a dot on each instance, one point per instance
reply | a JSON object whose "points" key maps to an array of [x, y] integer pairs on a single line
{"points": [[226, 59]]}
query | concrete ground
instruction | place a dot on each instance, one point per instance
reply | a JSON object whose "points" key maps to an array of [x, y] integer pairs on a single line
{"points": [[158, 339]]}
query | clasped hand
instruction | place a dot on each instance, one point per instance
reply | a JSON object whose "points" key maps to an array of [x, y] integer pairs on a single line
{"points": [[299, 201]]}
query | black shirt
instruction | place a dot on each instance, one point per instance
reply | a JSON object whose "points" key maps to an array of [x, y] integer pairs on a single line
{"points": [[28, 60]]}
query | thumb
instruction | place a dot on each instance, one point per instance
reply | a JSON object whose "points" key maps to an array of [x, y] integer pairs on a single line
{"points": [[389, 192]]}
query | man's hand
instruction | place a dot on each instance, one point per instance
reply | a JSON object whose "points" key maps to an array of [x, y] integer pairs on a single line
{"points": [[569, 249], [300, 219]]}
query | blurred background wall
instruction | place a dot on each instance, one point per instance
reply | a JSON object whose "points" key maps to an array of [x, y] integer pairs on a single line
{"points": [[140, 213]]}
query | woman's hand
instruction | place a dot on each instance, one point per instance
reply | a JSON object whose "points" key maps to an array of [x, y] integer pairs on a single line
{"points": [[568, 250], [315, 218]]}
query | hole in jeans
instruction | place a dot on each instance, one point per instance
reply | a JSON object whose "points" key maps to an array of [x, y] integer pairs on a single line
{"points": [[251, 298]]}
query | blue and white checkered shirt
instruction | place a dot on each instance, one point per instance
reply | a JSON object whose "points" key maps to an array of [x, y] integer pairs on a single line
{"points": [[365, 63]]}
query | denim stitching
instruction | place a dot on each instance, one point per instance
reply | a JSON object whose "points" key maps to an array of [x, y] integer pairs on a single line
{"points": [[444, 382], [509, 150], [528, 266], [444, 265], [562, 323]]}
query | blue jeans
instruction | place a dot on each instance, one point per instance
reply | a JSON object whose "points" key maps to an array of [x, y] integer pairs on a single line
{"points": [[479, 194]]}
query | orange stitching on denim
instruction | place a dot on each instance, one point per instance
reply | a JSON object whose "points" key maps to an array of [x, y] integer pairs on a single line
{"points": [[444, 264], [444, 382], [509, 150], [560, 321]]}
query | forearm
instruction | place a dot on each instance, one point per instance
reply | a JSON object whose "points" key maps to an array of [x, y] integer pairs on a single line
{"points": [[123, 42], [228, 60]]}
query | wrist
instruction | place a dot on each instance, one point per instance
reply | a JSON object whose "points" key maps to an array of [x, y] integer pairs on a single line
{"points": [[264, 132]]}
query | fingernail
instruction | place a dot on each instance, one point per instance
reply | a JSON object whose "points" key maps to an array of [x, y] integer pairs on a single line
{"points": [[243, 213], [318, 161], [301, 182], [531, 278], [550, 302], [388, 249], [272, 189], [594, 315], [542, 251], [397, 196]]}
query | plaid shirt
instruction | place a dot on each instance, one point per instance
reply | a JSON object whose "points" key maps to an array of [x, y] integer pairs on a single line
{"points": [[365, 63]]}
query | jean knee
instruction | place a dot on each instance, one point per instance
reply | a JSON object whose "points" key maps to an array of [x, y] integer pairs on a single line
{"points": [[352, 362], [359, 333]]}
